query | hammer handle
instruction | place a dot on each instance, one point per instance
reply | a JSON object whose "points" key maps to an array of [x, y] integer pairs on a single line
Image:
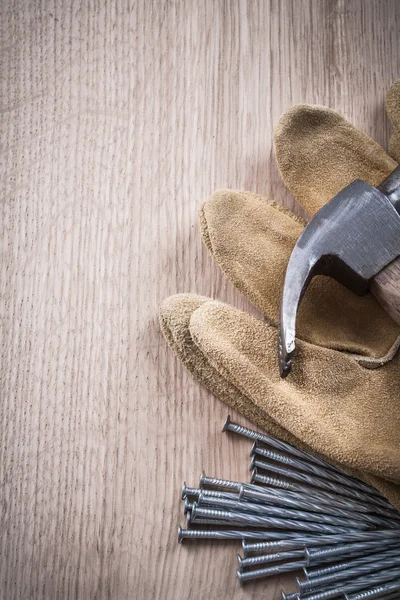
{"points": [[386, 288], [386, 285]]}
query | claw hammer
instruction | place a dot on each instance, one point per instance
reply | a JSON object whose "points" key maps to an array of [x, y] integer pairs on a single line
{"points": [[354, 238]]}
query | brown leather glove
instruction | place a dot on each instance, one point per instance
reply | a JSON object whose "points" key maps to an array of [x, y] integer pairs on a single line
{"points": [[330, 403]]}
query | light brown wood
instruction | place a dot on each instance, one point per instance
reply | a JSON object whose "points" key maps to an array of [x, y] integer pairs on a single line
{"points": [[118, 120]]}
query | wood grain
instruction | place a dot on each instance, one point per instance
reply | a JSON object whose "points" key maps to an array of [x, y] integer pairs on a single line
{"points": [[385, 287], [118, 120]]}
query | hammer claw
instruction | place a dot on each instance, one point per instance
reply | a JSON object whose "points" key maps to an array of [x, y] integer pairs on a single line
{"points": [[298, 275], [352, 238]]}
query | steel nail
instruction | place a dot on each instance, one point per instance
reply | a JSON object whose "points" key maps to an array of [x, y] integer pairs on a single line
{"points": [[316, 556], [275, 443], [318, 503], [357, 584], [195, 493], [317, 482], [233, 534], [280, 512], [219, 483], [359, 554], [244, 576], [269, 558], [349, 574], [385, 591], [316, 494], [296, 541], [313, 469], [296, 501], [274, 482], [286, 447], [240, 518]]}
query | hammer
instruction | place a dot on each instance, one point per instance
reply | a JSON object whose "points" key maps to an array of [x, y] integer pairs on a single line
{"points": [[354, 238]]}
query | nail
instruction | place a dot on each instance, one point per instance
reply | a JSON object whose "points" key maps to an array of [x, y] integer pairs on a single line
{"points": [[231, 534], [388, 589], [279, 545], [269, 558], [348, 574], [374, 554], [244, 576], [297, 541], [314, 481], [274, 443], [357, 585], [317, 556], [317, 495], [188, 491], [328, 504], [296, 500], [313, 469], [215, 482], [286, 447], [272, 481], [241, 518], [280, 512], [195, 492]]}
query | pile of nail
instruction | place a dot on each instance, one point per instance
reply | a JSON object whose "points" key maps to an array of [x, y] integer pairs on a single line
{"points": [[341, 532]]}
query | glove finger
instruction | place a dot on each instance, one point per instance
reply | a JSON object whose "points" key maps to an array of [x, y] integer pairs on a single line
{"points": [[319, 153], [175, 314], [393, 111], [329, 402], [394, 147], [251, 239]]}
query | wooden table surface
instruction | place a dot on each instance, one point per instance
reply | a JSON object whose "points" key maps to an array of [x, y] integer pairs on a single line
{"points": [[118, 121]]}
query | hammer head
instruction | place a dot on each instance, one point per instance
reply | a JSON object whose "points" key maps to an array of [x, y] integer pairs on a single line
{"points": [[352, 238]]}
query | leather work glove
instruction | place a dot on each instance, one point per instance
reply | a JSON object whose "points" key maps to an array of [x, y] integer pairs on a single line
{"points": [[330, 404]]}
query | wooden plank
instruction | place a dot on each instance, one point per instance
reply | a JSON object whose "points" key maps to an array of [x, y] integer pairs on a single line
{"points": [[118, 120]]}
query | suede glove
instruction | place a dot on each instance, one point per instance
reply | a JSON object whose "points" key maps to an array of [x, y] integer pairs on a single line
{"points": [[330, 403]]}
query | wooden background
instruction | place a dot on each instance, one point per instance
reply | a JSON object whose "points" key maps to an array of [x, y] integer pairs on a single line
{"points": [[117, 120]]}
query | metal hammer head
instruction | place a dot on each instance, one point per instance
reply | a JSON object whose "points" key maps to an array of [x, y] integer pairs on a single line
{"points": [[352, 238]]}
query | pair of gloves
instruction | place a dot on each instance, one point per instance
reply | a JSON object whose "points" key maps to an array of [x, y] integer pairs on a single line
{"points": [[331, 404]]}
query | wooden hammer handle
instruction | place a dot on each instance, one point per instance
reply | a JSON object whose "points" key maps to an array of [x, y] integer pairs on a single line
{"points": [[386, 288], [386, 285]]}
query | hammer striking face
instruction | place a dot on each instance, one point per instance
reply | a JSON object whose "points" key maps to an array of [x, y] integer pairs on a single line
{"points": [[352, 238]]}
